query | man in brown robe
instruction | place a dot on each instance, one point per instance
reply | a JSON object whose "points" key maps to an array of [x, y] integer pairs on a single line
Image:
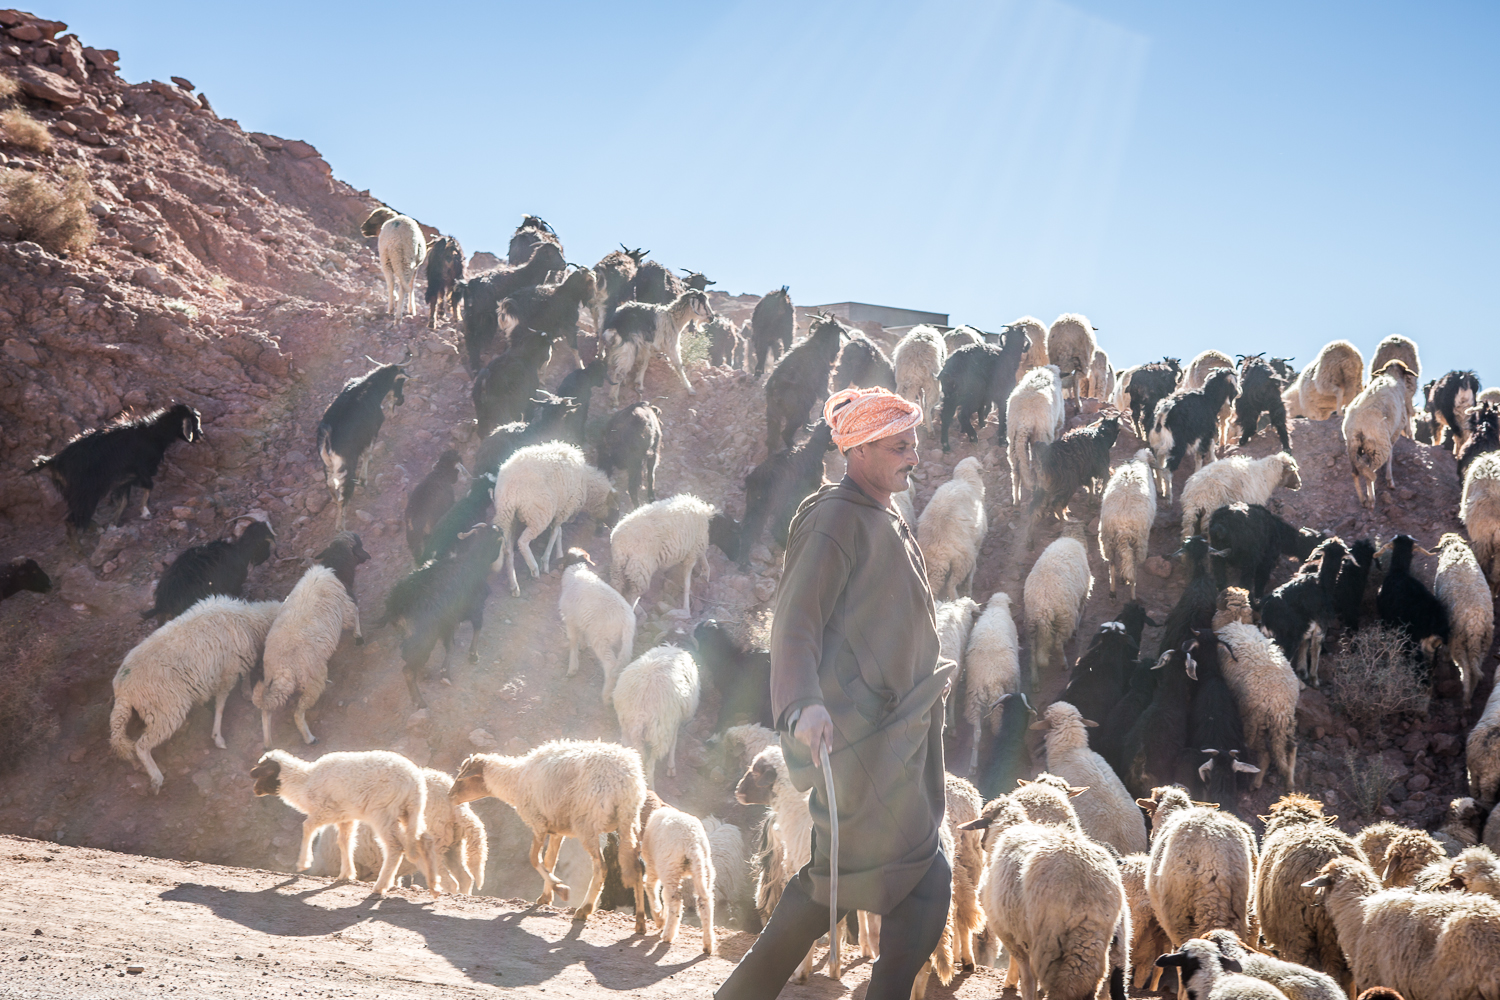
{"points": [[854, 664]]}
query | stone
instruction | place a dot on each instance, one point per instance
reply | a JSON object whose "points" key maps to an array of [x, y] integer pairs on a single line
{"points": [[25, 32], [265, 141], [483, 741], [183, 82], [45, 85], [114, 154], [1314, 714], [300, 150], [1158, 567], [147, 276], [66, 128], [1418, 783], [22, 352], [1446, 744]]}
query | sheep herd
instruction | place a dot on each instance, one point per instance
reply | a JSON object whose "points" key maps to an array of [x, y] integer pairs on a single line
{"points": [[1112, 855]]}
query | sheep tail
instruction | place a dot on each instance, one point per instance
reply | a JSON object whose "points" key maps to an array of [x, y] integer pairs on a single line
{"points": [[119, 719], [942, 955], [270, 695], [476, 854], [627, 643], [1127, 561]]}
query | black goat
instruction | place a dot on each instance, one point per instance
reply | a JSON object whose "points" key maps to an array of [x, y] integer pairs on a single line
{"points": [[1216, 735], [776, 486], [1190, 419], [1149, 385], [861, 363], [108, 461], [799, 380], [1252, 539], [505, 385], [1078, 458], [432, 601], [741, 676], [218, 567], [1354, 574], [772, 325], [445, 269], [1101, 676], [470, 509], [482, 294], [1260, 392], [548, 418], [1195, 608], [530, 234], [23, 574], [977, 378], [1154, 744], [1135, 619], [343, 555], [696, 279], [1404, 602], [1003, 757], [1444, 397], [429, 501], [655, 284], [1483, 423], [579, 385], [350, 424], [549, 309], [1108, 740], [725, 345], [632, 441], [1294, 613], [1283, 369], [612, 276]]}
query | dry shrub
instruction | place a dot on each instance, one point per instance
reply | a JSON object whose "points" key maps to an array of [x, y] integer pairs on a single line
{"points": [[55, 217], [1373, 677], [18, 128], [694, 345], [1370, 780], [9, 87]]}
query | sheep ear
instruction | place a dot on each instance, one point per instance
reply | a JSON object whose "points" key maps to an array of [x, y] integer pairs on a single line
{"points": [[1021, 782], [1147, 804], [1073, 792], [1039, 724], [982, 823], [1230, 964], [1321, 882], [1091, 723]]}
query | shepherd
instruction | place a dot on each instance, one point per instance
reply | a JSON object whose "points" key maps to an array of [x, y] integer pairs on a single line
{"points": [[855, 668]]}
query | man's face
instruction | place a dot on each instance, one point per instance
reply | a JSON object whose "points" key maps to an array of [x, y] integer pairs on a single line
{"points": [[887, 463]]}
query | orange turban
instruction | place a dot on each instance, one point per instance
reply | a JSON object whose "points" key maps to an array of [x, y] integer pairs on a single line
{"points": [[858, 416]]}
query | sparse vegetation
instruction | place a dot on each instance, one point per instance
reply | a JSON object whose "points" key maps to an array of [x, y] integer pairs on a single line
{"points": [[1373, 678], [694, 344], [18, 128], [55, 217], [9, 87], [1370, 780]]}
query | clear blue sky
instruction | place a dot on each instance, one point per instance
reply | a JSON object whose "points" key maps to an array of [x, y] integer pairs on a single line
{"points": [[1246, 177]]}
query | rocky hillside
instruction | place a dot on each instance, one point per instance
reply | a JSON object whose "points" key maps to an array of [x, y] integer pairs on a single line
{"points": [[229, 273]]}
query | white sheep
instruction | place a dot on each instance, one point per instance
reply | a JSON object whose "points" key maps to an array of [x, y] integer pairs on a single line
{"points": [[1056, 590], [965, 916], [1490, 395], [1101, 377], [545, 486], [401, 248], [1479, 510], [594, 614], [1107, 811], [1482, 754], [1201, 366], [1147, 939], [653, 697], [657, 537], [1235, 479], [1298, 982], [197, 656], [1433, 945], [567, 788], [1333, 378], [955, 619], [951, 529], [732, 887], [1381, 413], [1033, 416], [1207, 974], [745, 742], [905, 503], [381, 789], [674, 846], [1461, 586], [460, 846], [1266, 692], [1071, 346], [304, 635], [1396, 348], [1126, 514], [992, 665], [1398, 852], [918, 360], [1035, 332], [1202, 861]]}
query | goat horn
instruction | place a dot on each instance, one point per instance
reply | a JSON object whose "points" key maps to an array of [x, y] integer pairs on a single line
{"points": [[1419, 548]]}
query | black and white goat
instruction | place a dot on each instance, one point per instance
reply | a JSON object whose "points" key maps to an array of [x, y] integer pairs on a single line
{"points": [[612, 277], [1079, 458], [1190, 419], [696, 279], [23, 574], [482, 294], [445, 269], [861, 363], [430, 500], [1483, 427], [1295, 614], [550, 309], [636, 330], [772, 326], [1448, 401], [548, 418], [1404, 602], [1260, 392], [632, 442], [741, 675], [977, 378], [1148, 385], [350, 425], [108, 461], [504, 386], [775, 487], [530, 234], [579, 385], [799, 380], [218, 567], [1216, 734], [1252, 540]]}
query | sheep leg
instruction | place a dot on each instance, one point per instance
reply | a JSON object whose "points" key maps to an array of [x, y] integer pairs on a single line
{"points": [[219, 700], [687, 585], [524, 544], [265, 728], [703, 890], [553, 544], [672, 890], [672, 757], [1390, 465], [538, 843], [310, 828], [974, 749], [651, 880], [869, 934], [143, 751], [596, 879], [390, 859], [346, 830]]}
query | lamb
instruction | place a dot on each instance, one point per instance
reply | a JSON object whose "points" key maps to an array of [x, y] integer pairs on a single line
{"points": [[1479, 510], [1106, 811], [1034, 416], [1405, 603], [383, 790], [503, 387], [659, 536], [992, 666], [772, 326], [636, 330], [1146, 936], [788, 833], [1436, 945], [1398, 852], [106, 462], [482, 294], [349, 426], [952, 528], [775, 488], [1295, 611], [196, 656], [23, 574], [1260, 392], [1333, 378], [632, 442], [1126, 513], [1206, 973], [1483, 425], [306, 631], [1236, 478], [1396, 348], [1034, 347], [732, 889], [1266, 690], [546, 485], [1202, 861], [529, 235], [429, 501], [861, 363], [918, 358], [401, 248], [799, 380], [1079, 458], [1055, 592], [1448, 402], [595, 614], [740, 671], [1190, 418], [962, 804], [653, 697], [549, 309], [1380, 414], [445, 269], [1482, 755], [674, 846], [1253, 540], [218, 567], [567, 788], [1071, 346], [1461, 587], [1298, 841], [976, 378], [1146, 386]]}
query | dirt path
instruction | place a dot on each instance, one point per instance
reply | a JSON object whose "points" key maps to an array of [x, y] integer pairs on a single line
{"points": [[75, 920]]}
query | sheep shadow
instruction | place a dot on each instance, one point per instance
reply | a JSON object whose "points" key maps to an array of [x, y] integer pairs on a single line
{"points": [[493, 949]]}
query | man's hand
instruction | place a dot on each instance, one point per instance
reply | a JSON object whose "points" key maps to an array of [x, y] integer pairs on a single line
{"points": [[815, 728]]}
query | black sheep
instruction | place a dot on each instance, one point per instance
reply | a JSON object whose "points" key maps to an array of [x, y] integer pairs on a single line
{"points": [[579, 385], [977, 378], [1252, 540], [1078, 458], [1190, 419], [430, 500], [445, 269], [1295, 611], [772, 325], [1149, 385], [549, 309], [1195, 608], [1260, 392], [1483, 423], [530, 234], [1404, 602], [1154, 743], [1354, 574], [741, 676], [108, 461], [548, 418], [505, 385], [482, 294], [862, 364], [1444, 396], [632, 441], [725, 345], [775, 487], [1003, 757], [1216, 735], [23, 574], [474, 507], [799, 380], [218, 567], [350, 425], [1101, 676]]}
